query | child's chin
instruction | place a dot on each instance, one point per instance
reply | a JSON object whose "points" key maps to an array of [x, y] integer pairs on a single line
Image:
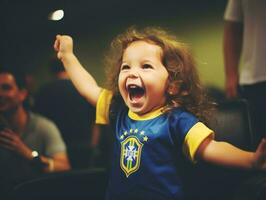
{"points": [[137, 110]]}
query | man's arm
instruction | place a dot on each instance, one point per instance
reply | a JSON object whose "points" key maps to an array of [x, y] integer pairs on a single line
{"points": [[57, 162], [232, 45], [12, 141]]}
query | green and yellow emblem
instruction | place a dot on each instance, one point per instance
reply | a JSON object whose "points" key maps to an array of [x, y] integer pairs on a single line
{"points": [[130, 154]]}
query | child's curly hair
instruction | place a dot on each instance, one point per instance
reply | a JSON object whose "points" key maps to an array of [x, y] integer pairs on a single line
{"points": [[184, 86]]}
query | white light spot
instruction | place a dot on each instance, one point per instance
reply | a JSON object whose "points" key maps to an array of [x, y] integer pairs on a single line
{"points": [[56, 15]]}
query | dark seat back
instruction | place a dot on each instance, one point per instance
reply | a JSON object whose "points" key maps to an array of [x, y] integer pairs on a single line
{"points": [[231, 123], [78, 184]]}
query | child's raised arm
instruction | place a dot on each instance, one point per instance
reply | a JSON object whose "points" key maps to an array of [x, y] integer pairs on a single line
{"points": [[83, 81], [222, 153]]}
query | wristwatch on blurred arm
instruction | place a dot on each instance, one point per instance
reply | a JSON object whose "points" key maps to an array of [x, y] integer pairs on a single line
{"points": [[36, 160]]}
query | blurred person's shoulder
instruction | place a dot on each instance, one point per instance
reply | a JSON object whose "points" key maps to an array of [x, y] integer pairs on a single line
{"points": [[40, 122]]}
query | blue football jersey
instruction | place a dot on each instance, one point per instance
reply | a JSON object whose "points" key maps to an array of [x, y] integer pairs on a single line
{"points": [[146, 151]]}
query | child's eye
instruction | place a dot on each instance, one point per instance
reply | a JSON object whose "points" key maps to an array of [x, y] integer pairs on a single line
{"points": [[147, 66], [125, 67]]}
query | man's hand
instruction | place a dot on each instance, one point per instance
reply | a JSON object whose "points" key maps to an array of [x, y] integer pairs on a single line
{"points": [[12, 141], [232, 86]]}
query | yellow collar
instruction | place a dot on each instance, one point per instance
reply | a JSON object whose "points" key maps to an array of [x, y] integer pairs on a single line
{"points": [[147, 116]]}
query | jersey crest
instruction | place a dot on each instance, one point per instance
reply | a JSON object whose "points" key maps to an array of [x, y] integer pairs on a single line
{"points": [[130, 155]]}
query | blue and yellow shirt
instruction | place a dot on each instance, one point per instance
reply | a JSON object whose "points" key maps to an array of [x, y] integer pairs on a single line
{"points": [[145, 150]]}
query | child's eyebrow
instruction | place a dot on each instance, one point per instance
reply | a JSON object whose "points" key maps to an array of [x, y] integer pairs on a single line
{"points": [[147, 60]]}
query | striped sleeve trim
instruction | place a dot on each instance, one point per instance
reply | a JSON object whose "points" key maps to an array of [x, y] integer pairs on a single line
{"points": [[195, 136], [102, 107]]}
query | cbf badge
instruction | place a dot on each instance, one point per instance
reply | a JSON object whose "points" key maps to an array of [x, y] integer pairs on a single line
{"points": [[130, 155], [131, 147]]}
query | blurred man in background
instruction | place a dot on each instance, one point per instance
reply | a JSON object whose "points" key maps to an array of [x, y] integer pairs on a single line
{"points": [[244, 37], [29, 135]]}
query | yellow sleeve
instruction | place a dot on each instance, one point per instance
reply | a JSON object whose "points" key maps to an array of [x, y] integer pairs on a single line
{"points": [[195, 136], [102, 107]]}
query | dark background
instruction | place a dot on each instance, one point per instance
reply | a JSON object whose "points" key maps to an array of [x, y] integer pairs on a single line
{"points": [[27, 35]]}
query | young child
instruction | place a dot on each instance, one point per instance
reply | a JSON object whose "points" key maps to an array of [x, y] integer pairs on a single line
{"points": [[165, 109]]}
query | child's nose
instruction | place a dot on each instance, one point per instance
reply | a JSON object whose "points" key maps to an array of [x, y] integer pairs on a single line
{"points": [[133, 73]]}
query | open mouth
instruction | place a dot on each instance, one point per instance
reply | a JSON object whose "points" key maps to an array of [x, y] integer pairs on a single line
{"points": [[135, 92]]}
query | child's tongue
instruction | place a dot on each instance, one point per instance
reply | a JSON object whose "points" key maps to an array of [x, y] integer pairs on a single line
{"points": [[136, 94], [136, 97]]}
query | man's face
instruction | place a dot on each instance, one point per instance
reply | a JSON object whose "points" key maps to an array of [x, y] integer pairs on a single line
{"points": [[11, 97]]}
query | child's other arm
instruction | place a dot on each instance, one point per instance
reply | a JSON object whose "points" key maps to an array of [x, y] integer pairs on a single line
{"points": [[225, 154], [83, 81]]}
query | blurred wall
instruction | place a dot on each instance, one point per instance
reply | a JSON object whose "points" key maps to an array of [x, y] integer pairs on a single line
{"points": [[28, 35]]}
